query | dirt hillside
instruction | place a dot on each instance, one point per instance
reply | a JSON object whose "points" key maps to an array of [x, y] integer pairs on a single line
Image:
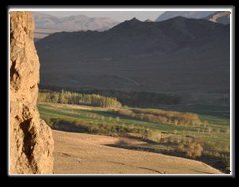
{"points": [[77, 153]]}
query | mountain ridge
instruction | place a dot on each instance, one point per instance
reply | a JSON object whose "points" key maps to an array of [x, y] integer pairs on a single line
{"points": [[185, 52], [188, 14], [47, 24], [177, 30]]}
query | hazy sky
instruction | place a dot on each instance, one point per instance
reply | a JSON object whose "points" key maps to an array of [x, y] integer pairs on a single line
{"points": [[116, 15]]}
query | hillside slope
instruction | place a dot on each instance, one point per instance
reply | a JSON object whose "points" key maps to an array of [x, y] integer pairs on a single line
{"points": [[77, 153], [176, 55]]}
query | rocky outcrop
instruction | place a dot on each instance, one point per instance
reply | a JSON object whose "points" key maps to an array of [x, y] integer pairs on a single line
{"points": [[31, 142], [220, 17]]}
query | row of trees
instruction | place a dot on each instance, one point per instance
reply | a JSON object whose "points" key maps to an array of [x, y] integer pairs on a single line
{"points": [[161, 116], [141, 99], [66, 97], [173, 116]]}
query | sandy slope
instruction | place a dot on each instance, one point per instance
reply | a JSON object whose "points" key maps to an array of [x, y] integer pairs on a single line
{"points": [[77, 153]]}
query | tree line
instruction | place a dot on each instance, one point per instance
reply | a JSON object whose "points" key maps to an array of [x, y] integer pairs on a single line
{"points": [[67, 97], [163, 116], [131, 98]]}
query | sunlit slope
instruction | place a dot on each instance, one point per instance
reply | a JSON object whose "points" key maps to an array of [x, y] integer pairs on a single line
{"points": [[77, 153], [135, 134]]}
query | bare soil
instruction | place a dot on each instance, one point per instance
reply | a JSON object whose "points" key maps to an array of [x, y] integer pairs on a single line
{"points": [[78, 153]]}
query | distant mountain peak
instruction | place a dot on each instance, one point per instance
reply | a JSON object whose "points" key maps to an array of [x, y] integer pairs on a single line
{"points": [[133, 20], [132, 23]]}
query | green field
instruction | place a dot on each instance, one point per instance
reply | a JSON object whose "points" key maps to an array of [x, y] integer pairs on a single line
{"points": [[160, 137], [219, 111]]}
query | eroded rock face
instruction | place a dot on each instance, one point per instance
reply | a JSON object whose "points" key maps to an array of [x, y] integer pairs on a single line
{"points": [[31, 142], [221, 17]]}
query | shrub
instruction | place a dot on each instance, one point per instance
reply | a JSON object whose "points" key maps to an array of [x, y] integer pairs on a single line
{"points": [[205, 123], [155, 135], [181, 147], [194, 150], [209, 130], [124, 112]]}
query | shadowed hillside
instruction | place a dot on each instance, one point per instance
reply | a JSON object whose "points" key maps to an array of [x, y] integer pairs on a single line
{"points": [[179, 55]]}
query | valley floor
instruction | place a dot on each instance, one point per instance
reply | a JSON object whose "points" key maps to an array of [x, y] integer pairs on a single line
{"points": [[79, 153]]}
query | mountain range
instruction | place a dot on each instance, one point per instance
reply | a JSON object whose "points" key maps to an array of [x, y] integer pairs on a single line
{"points": [[178, 55], [187, 14], [47, 24]]}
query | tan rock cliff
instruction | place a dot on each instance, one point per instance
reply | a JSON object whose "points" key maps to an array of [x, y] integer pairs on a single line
{"points": [[31, 142], [220, 15]]}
